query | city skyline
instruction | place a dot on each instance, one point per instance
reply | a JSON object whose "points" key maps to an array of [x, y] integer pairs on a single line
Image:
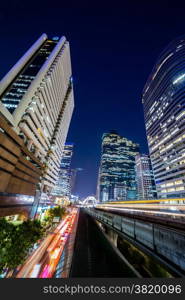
{"points": [[92, 147], [108, 79]]}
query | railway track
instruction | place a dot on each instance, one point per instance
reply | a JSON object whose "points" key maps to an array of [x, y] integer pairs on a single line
{"points": [[93, 255]]}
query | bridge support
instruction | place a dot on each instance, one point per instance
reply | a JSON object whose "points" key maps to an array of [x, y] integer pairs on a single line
{"points": [[113, 236], [164, 243]]}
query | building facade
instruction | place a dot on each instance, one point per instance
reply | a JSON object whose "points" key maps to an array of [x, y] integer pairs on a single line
{"points": [[146, 188], [63, 186], [36, 102], [116, 180], [20, 173], [37, 99], [164, 111]]}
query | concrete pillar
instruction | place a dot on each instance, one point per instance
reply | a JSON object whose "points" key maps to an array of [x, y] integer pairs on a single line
{"points": [[113, 236]]}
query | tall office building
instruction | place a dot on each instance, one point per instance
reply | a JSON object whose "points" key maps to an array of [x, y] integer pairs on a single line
{"points": [[144, 178], [37, 100], [164, 111], [98, 185], [74, 178], [64, 183], [117, 168]]}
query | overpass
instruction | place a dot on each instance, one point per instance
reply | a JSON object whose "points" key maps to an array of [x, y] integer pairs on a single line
{"points": [[156, 229]]}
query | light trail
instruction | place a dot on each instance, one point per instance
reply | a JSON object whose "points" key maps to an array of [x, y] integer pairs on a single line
{"points": [[146, 201], [43, 262], [55, 251], [133, 209], [151, 206]]}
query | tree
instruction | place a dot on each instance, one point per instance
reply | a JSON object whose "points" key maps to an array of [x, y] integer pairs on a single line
{"points": [[56, 211], [16, 240]]}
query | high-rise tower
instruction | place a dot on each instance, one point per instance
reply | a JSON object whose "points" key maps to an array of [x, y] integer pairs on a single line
{"points": [[117, 168], [37, 100], [63, 185], [164, 111], [36, 105], [144, 177]]}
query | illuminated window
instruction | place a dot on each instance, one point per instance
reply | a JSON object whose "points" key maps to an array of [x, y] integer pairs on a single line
{"points": [[179, 79], [180, 188], [169, 184], [171, 190], [178, 182]]}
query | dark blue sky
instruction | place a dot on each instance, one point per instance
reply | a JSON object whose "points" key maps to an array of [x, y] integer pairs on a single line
{"points": [[113, 50]]}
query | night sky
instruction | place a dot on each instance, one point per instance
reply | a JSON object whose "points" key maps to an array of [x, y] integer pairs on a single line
{"points": [[113, 50]]}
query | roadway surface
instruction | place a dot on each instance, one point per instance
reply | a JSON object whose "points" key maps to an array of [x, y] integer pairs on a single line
{"points": [[43, 261], [93, 255]]}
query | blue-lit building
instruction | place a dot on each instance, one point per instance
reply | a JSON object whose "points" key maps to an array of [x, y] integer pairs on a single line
{"points": [[117, 179], [64, 184], [164, 111]]}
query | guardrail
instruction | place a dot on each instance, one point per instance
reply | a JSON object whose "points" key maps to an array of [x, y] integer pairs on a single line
{"points": [[165, 244]]}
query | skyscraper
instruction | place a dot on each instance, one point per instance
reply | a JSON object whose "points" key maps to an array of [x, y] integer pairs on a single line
{"points": [[117, 168], [37, 100], [164, 111], [144, 177], [74, 177], [64, 182]]}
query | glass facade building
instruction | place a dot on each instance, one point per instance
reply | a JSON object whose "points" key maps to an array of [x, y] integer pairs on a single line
{"points": [[64, 182], [15, 91], [116, 180], [36, 98], [164, 110], [146, 188]]}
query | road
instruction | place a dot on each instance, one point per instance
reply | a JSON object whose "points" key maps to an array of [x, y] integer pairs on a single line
{"points": [[43, 262]]}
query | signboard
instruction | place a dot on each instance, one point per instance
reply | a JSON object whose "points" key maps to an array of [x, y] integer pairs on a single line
{"points": [[56, 219]]}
